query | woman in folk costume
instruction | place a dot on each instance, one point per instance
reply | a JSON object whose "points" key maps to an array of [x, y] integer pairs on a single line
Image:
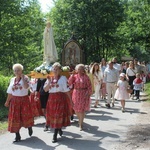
{"points": [[58, 109], [81, 93], [20, 114], [97, 82], [50, 52], [43, 97], [35, 104]]}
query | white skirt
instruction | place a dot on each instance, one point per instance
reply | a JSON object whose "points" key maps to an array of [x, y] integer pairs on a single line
{"points": [[121, 94]]}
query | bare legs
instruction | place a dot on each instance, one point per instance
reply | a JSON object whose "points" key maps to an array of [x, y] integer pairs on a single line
{"points": [[96, 103], [81, 116], [123, 105], [44, 113]]}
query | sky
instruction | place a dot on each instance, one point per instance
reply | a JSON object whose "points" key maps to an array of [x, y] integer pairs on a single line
{"points": [[46, 5]]}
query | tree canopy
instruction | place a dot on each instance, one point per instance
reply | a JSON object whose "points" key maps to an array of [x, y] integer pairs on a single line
{"points": [[21, 23], [104, 28]]}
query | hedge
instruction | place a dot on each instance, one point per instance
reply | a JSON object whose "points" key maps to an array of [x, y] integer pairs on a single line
{"points": [[4, 82]]}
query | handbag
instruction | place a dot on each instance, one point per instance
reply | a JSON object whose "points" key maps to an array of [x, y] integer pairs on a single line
{"points": [[129, 90]]}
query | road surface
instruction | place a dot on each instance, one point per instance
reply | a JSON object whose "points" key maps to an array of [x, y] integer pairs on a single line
{"points": [[103, 130]]}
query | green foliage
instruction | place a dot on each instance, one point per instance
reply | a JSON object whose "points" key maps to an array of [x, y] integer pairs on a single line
{"points": [[4, 82], [94, 22], [135, 29], [3, 114], [21, 26], [147, 89], [105, 28]]}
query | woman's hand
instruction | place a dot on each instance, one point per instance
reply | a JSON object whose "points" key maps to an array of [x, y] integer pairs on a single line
{"points": [[23, 77], [8, 100], [25, 81], [6, 104], [36, 98]]}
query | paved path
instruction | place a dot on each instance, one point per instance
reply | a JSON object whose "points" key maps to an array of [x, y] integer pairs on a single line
{"points": [[103, 130]]}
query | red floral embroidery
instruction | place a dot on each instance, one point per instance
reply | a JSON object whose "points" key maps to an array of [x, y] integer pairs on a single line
{"points": [[16, 85], [54, 83]]}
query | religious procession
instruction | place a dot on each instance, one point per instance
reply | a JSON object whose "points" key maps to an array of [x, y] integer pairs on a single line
{"points": [[65, 91]]}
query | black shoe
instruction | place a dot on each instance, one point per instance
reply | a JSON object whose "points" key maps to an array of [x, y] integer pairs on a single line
{"points": [[72, 117], [54, 139], [55, 136], [107, 105], [30, 131], [60, 132], [18, 137], [45, 128]]}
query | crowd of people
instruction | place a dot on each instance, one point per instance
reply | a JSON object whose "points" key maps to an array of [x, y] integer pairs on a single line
{"points": [[58, 98]]}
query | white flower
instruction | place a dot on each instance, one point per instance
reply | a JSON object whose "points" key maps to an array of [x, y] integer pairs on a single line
{"points": [[43, 71], [66, 68]]}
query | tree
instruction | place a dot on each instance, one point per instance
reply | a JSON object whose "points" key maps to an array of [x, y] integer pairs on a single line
{"points": [[21, 25], [94, 22], [136, 28]]}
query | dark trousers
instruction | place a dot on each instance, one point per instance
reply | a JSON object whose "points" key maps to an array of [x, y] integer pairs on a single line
{"points": [[137, 93], [131, 78]]}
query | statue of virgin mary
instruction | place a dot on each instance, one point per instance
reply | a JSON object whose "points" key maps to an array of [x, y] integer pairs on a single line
{"points": [[50, 52]]}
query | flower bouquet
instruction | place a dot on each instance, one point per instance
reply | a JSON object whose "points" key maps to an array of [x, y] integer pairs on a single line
{"points": [[44, 71]]}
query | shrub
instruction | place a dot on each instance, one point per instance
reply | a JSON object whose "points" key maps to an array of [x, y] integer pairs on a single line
{"points": [[3, 113], [4, 82]]}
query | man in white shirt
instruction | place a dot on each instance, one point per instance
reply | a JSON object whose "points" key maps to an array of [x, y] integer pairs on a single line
{"points": [[116, 65], [110, 77], [137, 66]]}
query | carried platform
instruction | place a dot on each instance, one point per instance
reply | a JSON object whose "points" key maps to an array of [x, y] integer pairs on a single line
{"points": [[35, 74]]}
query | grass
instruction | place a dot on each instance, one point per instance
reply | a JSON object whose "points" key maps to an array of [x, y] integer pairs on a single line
{"points": [[3, 112], [3, 119], [147, 90], [3, 126]]}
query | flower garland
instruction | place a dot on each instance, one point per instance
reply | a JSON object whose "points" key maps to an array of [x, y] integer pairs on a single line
{"points": [[43, 69], [16, 85]]}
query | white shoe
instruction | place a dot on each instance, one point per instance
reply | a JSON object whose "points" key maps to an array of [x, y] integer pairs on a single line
{"points": [[123, 110]]}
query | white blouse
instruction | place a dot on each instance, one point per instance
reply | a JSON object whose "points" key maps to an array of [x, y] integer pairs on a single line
{"points": [[33, 84], [131, 72], [97, 77], [62, 85], [18, 89]]}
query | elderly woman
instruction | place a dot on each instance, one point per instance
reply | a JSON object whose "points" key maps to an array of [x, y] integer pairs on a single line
{"points": [[58, 108], [20, 114], [81, 93]]}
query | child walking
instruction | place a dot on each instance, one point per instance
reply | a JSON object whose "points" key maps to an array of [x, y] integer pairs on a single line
{"points": [[137, 83], [121, 92]]}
